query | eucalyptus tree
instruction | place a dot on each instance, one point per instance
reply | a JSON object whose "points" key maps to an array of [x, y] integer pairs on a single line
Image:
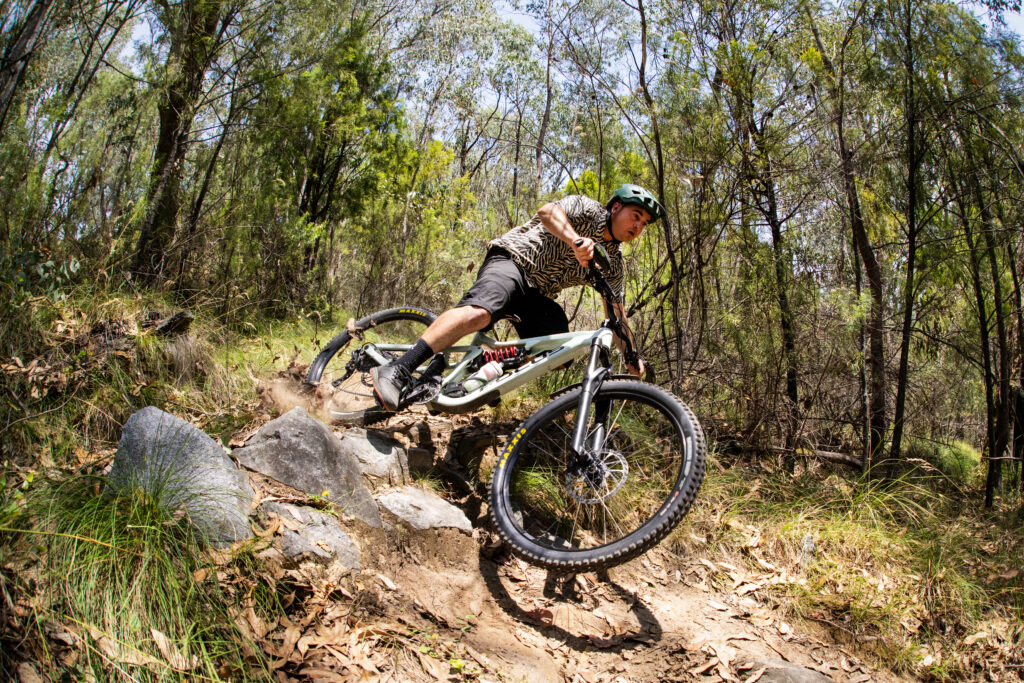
{"points": [[834, 56], [195, 31], [23, 26], [983, 168], [69, 122], [758, 81], [910, 42]]}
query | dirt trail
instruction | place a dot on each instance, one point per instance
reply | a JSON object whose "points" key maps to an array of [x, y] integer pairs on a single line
{"points": [[670, 615], [658, 618]]}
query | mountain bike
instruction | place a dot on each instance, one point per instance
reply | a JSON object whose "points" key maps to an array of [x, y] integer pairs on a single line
{"points": [[594, 478]]}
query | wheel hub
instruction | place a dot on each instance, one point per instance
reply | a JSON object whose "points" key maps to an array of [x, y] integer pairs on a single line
{"points": [[598, 478]]}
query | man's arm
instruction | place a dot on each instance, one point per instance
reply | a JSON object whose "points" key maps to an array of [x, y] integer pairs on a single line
{"points": [[554, 219]]}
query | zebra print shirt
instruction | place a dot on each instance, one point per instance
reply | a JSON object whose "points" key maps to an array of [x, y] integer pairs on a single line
{"points": [[548, 262]]}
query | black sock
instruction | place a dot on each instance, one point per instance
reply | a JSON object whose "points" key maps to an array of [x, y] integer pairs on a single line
{"points": [[415, 356]]}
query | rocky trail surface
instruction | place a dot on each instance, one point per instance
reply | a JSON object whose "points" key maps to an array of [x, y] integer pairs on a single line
{"points": [[378, 545]]}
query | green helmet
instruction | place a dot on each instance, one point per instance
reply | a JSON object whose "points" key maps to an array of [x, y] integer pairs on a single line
{"points": [[638, 196]]}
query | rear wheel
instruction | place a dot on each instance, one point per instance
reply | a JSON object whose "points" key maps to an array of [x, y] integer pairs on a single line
{"points": [[346, 360], [563, 511]]}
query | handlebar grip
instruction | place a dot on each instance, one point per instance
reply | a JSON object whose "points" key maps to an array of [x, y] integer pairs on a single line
{"points": [[600, 260]]}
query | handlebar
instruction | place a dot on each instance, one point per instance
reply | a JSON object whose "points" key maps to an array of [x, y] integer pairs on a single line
{"points": [[599, 263]]}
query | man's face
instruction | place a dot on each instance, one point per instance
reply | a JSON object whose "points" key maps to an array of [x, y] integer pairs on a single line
{"points": [[628, 221]]}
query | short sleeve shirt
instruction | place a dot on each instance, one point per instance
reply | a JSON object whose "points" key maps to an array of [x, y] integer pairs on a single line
{"points": [[548, 262]]}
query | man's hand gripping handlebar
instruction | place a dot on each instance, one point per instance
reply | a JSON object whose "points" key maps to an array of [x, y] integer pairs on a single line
{"points": [[597, 264]]}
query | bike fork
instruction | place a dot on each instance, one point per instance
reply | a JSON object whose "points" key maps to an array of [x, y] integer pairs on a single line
{"points": [[597, 371]]}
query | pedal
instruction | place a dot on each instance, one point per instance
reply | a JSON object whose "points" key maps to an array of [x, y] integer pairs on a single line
{"points": [[422, 392], [428, 386], [434, 371]]}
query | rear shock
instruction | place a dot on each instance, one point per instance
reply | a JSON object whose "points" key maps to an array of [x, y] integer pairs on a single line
{"points": [[509, 356]]}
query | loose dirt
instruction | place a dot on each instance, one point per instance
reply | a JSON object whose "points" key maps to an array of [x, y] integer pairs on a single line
{"points": [[445, 605]]}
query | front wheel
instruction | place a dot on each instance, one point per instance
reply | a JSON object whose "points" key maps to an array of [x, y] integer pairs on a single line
{"points": [[640, 475]]}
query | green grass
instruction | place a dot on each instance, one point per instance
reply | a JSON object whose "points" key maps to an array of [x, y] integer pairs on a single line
{"points": [[122, 581], [127, 586], [900, 568], [909, 569], [958, 461]]}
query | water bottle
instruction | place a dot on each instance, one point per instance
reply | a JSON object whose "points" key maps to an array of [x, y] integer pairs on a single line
{"points": [[484, 375]]}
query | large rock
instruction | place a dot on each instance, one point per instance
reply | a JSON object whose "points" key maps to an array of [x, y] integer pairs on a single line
{"points": [[781, 671], [182, 467], [298, 450], [422, 510], [310, 534], [379, 456]]}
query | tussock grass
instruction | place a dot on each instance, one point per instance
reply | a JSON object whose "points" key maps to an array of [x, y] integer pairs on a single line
{"points": [[124, 584], [119, 586], [899, 567]]}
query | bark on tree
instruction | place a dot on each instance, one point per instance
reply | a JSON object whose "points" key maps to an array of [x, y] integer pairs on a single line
{"points": [[913, 171], [548, 97], [21, 43], [195, 27]]}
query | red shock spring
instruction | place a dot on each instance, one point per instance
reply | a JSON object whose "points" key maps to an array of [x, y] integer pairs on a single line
{"points": [[508, 355]]}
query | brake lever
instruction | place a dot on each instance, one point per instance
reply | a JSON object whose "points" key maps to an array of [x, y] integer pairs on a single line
{"points": [[649, 374]]}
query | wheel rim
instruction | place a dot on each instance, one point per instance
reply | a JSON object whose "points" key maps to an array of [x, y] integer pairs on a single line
{"points": [[617, 495]]}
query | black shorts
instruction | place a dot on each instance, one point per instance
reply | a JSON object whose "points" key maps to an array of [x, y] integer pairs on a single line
{"points": [[501, 290]]}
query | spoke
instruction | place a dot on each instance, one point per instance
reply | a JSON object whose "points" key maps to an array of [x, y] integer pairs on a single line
{"points": [[575, 525], [549, 453], [609, 513]]}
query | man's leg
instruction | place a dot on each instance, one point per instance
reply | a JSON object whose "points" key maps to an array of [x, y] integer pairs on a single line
{"points": [[499, 281], [390, 381], [453, 325]]}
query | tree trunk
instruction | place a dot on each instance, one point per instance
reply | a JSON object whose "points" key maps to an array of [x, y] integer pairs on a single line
{"points": [[913, 170], [193, 30], [659, 171], [20, 46], [762, 187], [546, 118], [876, 319], [1001, 426]]}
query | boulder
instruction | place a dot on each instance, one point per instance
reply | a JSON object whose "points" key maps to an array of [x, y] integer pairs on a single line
{"points": [[781, 671], [379, 456], [311, 534], [181, 467], [422, 510], [298, 450]]}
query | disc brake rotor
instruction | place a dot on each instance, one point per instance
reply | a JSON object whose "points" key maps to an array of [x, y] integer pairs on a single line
{"points": [[599, 480]]}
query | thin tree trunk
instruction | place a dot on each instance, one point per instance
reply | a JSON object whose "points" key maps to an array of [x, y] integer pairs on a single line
{"points": [[197, 206], [913, 169], [1001, 427], [546, 118], [875, 328], [659, 171], [193, 43], [15, 59], [767, 203]]}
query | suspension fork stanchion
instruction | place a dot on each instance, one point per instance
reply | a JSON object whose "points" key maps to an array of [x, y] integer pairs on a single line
{"points": [[596, 373]]}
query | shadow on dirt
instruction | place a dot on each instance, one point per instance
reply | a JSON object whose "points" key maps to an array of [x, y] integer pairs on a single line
{"points": [[565, 588]]}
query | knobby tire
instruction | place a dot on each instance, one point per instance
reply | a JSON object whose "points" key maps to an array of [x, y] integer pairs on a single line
{"points": [[652, 465]]}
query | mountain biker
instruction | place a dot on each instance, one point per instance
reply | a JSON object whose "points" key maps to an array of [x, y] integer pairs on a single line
{"points": [[522, 272]]}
